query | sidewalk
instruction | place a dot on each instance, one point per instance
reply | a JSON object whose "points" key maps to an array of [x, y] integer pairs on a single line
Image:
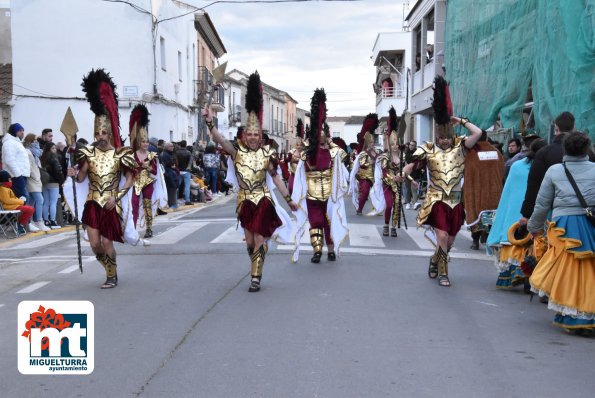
{"points": [[182, 210]]}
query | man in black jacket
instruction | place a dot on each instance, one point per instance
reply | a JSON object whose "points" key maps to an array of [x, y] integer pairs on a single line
{"points": [[170, 174], [184, 160], [547, 156]]}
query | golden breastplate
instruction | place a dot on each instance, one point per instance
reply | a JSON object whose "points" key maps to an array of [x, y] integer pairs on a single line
{"points": [[104, 176], [389, 170], [251, 168], [293, 164], [143, 178], [366, 169], [319, 184], [104, 170], [446, 168]]}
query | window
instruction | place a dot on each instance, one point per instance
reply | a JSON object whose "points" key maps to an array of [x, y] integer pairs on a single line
{"points": [[179, 65], [162, 49]]}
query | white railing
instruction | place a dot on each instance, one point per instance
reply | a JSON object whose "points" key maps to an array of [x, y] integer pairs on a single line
{"points": [[417, 82], [391, 92], [429, 74]]}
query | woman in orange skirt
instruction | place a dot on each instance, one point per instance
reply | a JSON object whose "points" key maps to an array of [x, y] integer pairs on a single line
{"points": [[566, 272]]}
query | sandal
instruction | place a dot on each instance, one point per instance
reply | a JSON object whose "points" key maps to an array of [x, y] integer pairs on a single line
{"points": [[393, 232], [316, 257], [110, 283], [443, 280], [385, 230], [433, 270], [254, 285]]}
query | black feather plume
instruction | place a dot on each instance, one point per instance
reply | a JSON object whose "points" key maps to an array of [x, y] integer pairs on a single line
{"points": [[91, 86], [440, 101], [254, 95], [300, 128], [139, 116], [317, 118], [392, 120]]}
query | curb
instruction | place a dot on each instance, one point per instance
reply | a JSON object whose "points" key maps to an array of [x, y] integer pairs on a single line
{"points": [[181, 211]]}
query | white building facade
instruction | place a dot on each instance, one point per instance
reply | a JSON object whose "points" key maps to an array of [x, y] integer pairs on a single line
{"points": [[279, 110], [426, 21], [151, 59]]}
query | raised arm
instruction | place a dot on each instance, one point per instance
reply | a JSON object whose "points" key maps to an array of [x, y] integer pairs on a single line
{"points": [[473, 129], [215, 135]]}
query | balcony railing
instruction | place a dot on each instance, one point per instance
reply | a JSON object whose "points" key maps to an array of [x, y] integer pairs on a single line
{"points": [[391, 92]]}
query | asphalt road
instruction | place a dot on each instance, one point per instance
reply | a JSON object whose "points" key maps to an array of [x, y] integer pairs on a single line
{"points": [[181, 323]]}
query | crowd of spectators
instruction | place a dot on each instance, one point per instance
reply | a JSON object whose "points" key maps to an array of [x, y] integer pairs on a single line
{"points": [[33, 171]]}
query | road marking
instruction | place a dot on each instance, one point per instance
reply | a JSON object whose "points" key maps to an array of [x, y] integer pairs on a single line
{"points": [[230, 235], [417, 235], [390, 252], [213, 220], [175, 234], [465, 234], [33, 287], [75, 267], [483, 302], [70, 269], [43, 241], [365, 235]]}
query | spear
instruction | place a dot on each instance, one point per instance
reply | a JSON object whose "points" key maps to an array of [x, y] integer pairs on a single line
{"points": [[218, 75], [69, 129], [400, 190]]}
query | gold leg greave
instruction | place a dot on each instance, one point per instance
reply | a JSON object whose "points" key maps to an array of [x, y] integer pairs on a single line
{"points": [[395, 215], [257, 259], [436, 256], [316, 235], [442, 262], [101, 258], [148, 209], [111, 266]]}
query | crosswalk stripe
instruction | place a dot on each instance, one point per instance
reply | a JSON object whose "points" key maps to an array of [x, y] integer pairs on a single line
{"points": [[230, 235], [366, 235], [417, 235], [49, 240], [70, 269], [395, 252], [33, 287], [210, 220], [75, 267], [177, 233]]}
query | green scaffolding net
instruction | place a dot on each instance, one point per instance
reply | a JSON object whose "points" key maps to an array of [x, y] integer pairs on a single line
{"points": [[501, 55]]}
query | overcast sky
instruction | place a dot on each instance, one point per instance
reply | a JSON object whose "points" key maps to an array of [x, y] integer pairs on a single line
{"points": [[297, 47]]}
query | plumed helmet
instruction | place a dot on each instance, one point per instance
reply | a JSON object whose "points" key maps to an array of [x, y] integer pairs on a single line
{"points": [[100, 91]]}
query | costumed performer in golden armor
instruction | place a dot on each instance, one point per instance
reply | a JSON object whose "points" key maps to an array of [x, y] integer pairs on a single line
{"points": [[388, 177], [442, 210], [294, 156], [104, 175], [361, 178], [319, 187], [148, 180], [255, 168]]}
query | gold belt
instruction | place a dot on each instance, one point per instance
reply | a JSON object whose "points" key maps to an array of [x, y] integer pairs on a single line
{"points": [[254, 195], [101, 197]]}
